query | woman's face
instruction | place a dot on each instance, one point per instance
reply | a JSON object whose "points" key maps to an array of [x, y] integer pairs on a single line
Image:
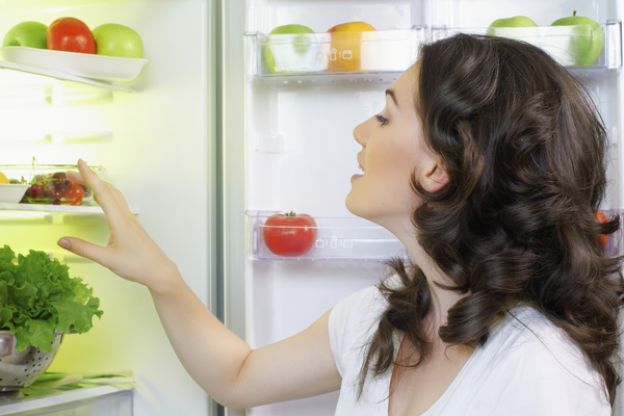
{"points": [[393, 148]]}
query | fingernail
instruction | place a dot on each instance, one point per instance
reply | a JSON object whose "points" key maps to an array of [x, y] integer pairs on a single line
{"points": [[63, 242]]}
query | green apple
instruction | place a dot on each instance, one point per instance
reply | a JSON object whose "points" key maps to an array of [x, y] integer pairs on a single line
{"points": [[29, 34], [273, 47], [587, 39], [516, 21], [113, 39]]}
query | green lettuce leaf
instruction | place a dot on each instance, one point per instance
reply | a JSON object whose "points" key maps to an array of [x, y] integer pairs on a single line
{"points": [[38, 298]]}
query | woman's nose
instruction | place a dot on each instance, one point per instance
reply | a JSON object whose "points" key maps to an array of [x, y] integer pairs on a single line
{"points": [[359, 133]]}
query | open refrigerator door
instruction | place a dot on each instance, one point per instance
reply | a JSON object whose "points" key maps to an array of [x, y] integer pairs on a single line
{"points": [[292, 97], [148, 125]]}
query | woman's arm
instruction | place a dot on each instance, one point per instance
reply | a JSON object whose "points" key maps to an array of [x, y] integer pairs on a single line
{"points": [[221, 362]]}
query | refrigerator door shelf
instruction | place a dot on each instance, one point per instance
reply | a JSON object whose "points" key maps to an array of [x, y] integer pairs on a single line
{"points": [[289, 80], [337, 238], [344, 53], [564, 43]]}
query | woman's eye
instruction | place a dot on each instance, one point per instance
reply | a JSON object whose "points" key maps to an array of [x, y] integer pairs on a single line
{"points": [[382, 120]]}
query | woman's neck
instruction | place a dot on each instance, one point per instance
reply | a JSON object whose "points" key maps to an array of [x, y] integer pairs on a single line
{"points": [[441, 299]]}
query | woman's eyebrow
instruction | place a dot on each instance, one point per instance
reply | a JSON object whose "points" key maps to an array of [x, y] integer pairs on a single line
{"points": [[391, 94]]}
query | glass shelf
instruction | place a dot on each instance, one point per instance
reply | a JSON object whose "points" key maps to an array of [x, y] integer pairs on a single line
{"points": [[53, 209], [381, 56], [337, 238]]}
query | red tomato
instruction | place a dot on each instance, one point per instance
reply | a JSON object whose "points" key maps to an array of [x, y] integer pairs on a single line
{"points": [[603, 238], [289, 234], [73, 194], [71, 35]]}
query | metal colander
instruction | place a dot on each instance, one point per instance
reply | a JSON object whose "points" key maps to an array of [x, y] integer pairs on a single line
{"points": [[20, 368]]}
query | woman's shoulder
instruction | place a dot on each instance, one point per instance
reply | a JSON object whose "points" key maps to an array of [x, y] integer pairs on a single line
{"points": [[531, 346], [352, 323]]}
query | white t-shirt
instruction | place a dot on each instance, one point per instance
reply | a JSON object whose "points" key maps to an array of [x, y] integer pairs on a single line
{"points": [[528, 366]]}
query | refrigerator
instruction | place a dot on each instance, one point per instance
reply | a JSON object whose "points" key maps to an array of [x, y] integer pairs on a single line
{"points": [[209, 141]]}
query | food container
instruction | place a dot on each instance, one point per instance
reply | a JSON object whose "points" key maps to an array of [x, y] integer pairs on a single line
{"points": [[49, 185], [20, 368], [12, 193]]}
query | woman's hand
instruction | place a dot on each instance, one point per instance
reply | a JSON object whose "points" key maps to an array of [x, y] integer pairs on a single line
{"points": [[130, 251]]}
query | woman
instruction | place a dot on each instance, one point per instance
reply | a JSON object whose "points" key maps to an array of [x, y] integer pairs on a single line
{"points": [[488, 164]]}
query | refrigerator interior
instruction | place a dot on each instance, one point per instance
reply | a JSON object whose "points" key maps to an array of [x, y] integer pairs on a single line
{"points": [[156, 145], [299, 154]]}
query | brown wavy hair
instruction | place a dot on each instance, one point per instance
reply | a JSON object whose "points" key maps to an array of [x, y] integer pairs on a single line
{"points": [[524, 147]]}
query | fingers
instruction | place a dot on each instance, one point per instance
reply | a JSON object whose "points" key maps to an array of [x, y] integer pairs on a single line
{"points": [[76, 177], [84, 249], [104, 193]]}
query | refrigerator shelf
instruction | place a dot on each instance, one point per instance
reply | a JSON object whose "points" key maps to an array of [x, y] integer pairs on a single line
{"points": [[381, 56], [323, 78], [356, 239], [45, 186], [561, 42], [317, 55], [53, 209], [337, 239], [97, 70]]}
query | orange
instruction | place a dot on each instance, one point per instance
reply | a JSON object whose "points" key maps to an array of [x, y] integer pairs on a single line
{"points": [[346, 43], [602, 238]]}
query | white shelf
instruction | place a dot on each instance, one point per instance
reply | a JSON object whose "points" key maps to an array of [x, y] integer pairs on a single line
{"points": [[53, 209], [108, 72], [337, 239], [61, 76], [117, 399]]}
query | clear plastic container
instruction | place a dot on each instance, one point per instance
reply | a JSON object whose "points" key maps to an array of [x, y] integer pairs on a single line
{"points": [[337, 238], [285, 56], [568, 45], [49, 185], [336, 52]]}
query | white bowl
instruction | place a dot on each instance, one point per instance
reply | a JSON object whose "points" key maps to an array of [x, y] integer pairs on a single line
{"points": [[12, 193]]}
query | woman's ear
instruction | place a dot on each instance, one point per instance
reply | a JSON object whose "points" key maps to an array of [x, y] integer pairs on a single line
{"points": [[435, 177]]}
